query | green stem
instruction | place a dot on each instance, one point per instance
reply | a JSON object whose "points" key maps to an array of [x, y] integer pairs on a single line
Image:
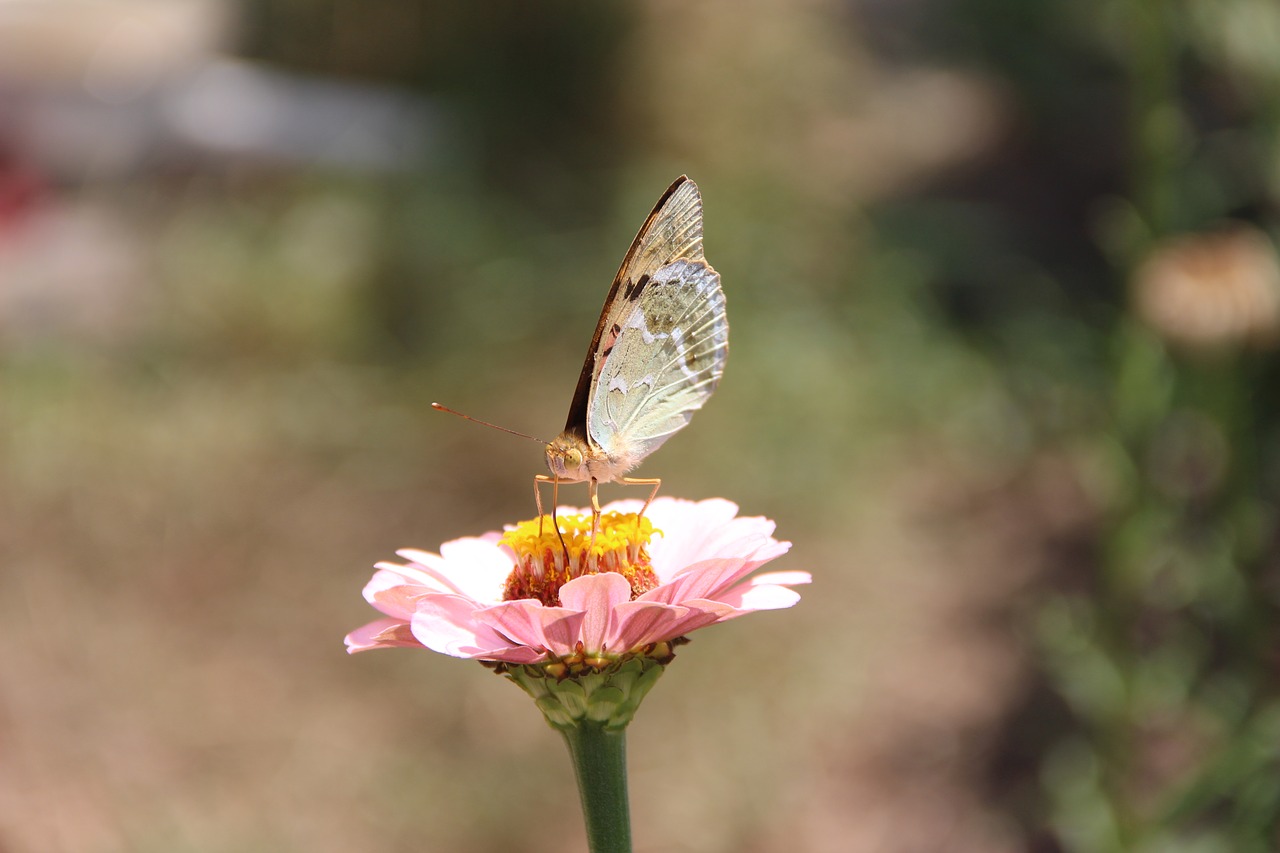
{"points": [[600, 765]]}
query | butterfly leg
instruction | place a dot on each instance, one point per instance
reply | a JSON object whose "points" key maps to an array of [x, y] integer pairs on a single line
{"points": [[594, 489], [656, 482], [538, 480]]}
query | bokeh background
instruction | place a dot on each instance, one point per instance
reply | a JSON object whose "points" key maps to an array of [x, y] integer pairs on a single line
{"points": [[1004, 295]]}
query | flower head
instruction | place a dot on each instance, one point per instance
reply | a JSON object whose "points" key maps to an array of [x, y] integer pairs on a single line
{"points": [[571, 602], [1210, 289]]}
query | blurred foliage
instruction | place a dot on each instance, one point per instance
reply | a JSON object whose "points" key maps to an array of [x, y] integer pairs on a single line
{"points": [[1142, 121], [1043, 529]]}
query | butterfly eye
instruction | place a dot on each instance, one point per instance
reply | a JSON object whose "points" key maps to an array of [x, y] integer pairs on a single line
{"points": [[573, 457]]}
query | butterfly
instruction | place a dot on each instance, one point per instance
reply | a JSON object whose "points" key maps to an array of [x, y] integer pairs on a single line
{"points": [[657, 354]]}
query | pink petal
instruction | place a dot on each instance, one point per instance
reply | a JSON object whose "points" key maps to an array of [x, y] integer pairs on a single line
{"points": [[475, 566], [416, 575], [694, 541], [639, 623], [388, 591], [446, 624], [706, 579], [595, 596], [529, 622], [765, 591], [684, 517], [381, 634], [771, 549], [786, 578], [693, 531], [425, 570], [748, 598], [703, 612]]}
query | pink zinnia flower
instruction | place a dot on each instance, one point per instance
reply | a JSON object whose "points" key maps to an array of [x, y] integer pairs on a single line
{"points": [[532, 595]]}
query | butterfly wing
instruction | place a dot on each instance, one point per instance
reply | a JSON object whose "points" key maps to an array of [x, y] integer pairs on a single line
{"points": [[662, 359], [673, 230]]}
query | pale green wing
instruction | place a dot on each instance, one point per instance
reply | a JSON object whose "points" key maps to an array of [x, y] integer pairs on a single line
{"points": [[672, 230], [663, 356]]}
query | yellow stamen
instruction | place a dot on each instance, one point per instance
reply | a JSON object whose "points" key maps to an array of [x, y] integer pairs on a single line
{"points": [[545, 561]]}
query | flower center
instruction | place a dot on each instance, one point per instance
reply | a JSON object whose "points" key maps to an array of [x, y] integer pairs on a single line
{"points": [[546, 560]]}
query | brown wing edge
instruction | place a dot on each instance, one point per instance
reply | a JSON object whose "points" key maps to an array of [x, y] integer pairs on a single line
{"points": [[577, 420]]}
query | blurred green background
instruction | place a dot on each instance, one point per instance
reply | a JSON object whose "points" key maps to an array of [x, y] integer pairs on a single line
{"points": [[1003, 295]]}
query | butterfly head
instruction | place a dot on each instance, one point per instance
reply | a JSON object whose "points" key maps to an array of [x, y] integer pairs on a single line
{"points": [[568, 457], [573, 459]]}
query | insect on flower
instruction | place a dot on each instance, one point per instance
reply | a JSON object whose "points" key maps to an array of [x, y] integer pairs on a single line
{"points": [[657, 354]]}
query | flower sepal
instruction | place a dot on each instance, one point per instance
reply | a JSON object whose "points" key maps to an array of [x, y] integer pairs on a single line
{"points": [[584, 689]]}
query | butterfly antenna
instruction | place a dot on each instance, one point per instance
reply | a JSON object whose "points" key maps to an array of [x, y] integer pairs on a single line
{"points": [[484, 423]]}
